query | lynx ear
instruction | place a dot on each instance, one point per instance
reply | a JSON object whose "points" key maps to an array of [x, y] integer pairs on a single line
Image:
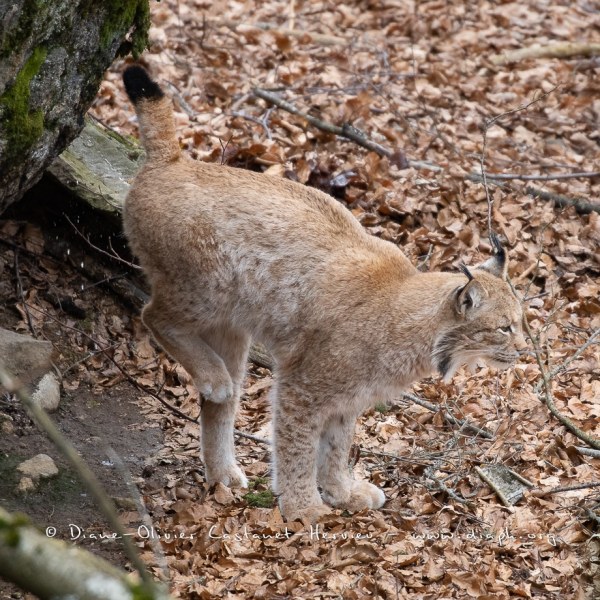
{"points": [[498, 264], [469, 296]]}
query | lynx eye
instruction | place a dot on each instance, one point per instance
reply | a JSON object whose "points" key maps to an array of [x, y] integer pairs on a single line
{"points": [[506, 329]]}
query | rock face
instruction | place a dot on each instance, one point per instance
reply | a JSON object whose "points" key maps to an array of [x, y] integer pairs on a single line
{"points": [[24, 357], [52, 59]]}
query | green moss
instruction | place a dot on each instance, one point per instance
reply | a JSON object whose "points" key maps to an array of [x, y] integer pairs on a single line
{"points": [[9, 528], [29, 14], [22, 126], [121, 16], [141, 592], [257, 497], [382, 408]]}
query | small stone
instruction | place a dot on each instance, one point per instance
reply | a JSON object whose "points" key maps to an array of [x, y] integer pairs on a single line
{"points": [[47, 393], [7, 427], [25, 485], [38, 467]]}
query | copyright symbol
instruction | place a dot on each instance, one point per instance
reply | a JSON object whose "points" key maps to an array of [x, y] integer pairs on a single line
{"points": [[50, 532]]}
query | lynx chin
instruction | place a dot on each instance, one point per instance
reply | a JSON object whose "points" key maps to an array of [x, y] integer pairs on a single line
{"points": [[233, 255]]}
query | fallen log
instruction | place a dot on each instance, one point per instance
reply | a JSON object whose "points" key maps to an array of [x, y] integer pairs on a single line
{"points": [[51, 568]]}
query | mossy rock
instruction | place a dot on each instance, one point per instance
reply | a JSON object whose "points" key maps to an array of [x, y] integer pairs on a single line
{"points": [[53, 56]]}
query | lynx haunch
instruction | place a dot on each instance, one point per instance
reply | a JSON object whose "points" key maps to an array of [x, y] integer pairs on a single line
{"points": [[233, 255]]}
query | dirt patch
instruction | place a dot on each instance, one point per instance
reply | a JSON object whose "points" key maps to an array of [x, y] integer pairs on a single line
{"points": [[93, 417]]}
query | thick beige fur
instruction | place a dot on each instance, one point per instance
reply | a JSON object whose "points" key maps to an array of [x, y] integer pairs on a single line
{"points": [[233, 255]]}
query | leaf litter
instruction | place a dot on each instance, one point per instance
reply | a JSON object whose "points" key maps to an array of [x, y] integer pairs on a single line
{"points": [[416, 78]]}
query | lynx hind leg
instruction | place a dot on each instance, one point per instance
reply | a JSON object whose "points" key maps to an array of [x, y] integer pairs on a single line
{"points": [[216, 360], [185, 341], [297, 428], [338, 486], [218, 419]]}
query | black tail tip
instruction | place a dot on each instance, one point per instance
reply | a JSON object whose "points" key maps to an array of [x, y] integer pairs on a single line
{"points": [[139, 86]]}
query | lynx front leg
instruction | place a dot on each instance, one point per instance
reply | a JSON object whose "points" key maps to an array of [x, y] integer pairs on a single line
{"points": [[296, 430], [339, 488]]}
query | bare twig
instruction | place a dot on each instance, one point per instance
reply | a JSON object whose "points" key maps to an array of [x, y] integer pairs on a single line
{"points": [[184, 105], [22, 293], [263, 121], [432, 483], [449, 417], [583, 207], [254, 438], [486, 127], [588, 451], [552, 177], [546, 385], [87, 476], [359, 137], [141, 508], [563, 366], [561, 50], [345, 131], [568, 488], [113, 255]]}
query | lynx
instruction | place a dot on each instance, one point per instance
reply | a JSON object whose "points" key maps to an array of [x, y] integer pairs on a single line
{"points": [[233, 255]]}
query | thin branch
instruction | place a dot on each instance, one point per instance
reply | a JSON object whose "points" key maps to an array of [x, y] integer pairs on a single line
{"points": [[360, 138], [563, 367], [85, 473], [141, 508], [583, 207], [546, 384], [113, 256], [254, 438], [568, 488], [486, 127], [588, 451], [22, 293], [552, 177], [263, 121], [449, 417], [346, 131], [560, 50]]}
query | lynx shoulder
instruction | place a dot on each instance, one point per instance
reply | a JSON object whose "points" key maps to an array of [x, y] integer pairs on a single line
{"points": [[233, 255]]}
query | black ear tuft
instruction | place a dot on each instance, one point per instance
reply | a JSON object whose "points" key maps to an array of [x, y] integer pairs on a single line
{"points": [[466, 271], [499, 250], [139, 86], [498, 264]]}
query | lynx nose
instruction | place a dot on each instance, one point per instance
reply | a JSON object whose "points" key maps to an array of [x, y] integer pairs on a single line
{"points": [[520, 343]]}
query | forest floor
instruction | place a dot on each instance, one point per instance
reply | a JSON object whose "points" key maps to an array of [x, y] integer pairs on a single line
{"points": [[419, 79]]}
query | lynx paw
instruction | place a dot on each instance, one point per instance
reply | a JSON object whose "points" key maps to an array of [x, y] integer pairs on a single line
{"points": [[229, 475], [308, 514], [361, 495], [217, 388]]}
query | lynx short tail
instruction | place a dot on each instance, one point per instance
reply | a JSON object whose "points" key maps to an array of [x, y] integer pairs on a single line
{"points": [[155, 115]]}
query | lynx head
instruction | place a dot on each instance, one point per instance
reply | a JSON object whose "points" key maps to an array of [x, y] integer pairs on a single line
{"points": [[486, 320]]}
